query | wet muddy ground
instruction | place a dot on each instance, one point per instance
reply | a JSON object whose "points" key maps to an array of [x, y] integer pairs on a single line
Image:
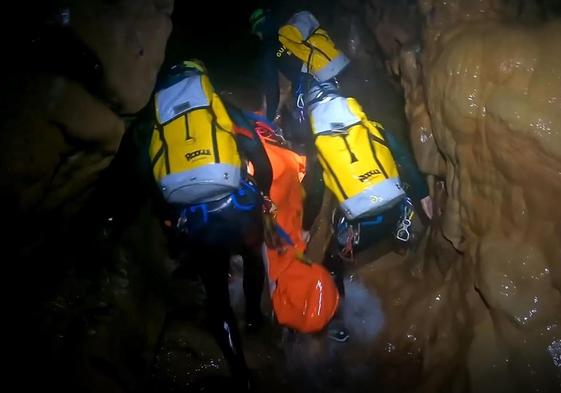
{"points": [[281, 360]]}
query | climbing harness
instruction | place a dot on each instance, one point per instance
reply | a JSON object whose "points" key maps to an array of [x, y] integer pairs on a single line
{"points": [[402, 232], [186, 221]]}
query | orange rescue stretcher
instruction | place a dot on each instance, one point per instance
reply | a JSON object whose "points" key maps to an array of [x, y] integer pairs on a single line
{"points": [[304, 295]]}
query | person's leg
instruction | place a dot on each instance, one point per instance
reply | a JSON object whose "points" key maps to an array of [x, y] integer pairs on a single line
{"points": [[335, 265], [253, 281], [247, 232], [333, 262], [314, 189], [214, 265]]}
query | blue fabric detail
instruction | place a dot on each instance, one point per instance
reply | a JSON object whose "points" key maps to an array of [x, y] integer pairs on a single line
{"points": [[245, 189], [284, 236], [249, 185], [190, 210], [377, 220], [241, 207], [203, 207]]}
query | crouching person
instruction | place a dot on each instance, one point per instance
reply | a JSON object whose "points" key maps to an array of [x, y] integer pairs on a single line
{"points": [[367, 170], [197, 156]]}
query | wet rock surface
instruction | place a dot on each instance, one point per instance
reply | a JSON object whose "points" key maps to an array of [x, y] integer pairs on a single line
{"points": [[481, 88], [476, 308], [82, 306], [130, 39]]}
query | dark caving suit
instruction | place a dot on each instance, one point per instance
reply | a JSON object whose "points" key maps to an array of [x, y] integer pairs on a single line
{"points": [[354, 230], [213, 219], [276, 57]]}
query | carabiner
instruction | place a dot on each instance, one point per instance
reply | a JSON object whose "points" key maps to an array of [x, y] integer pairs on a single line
{"points": [[402, 234], [300, 101]]}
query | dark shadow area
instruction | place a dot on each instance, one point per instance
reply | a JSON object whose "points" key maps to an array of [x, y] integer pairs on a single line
{"points": [[223, 41]]}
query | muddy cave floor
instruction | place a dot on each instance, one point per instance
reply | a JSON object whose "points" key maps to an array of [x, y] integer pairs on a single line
{"points": [[280, 360]]}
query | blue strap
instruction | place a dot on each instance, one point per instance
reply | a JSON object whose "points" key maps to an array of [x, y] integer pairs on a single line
{"points": [[249, 185], [377, 220], [284, 236], [239, 206], [187, 211], [203, 207], [246, 188]]}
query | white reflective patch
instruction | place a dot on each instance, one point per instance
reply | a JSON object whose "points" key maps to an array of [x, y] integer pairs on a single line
{"points": [[305, 22], [332, 116], [181, 97]]}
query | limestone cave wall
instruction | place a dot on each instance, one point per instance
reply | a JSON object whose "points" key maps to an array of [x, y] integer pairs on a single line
{"points": [[478, 307]]}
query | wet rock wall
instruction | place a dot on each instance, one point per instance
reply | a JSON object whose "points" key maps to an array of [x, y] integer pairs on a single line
{"points": [[83, 261]]}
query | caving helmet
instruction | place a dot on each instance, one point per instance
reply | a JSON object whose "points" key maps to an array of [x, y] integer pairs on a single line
{"points": [[256, 19], [172, 74], [194, 63]]}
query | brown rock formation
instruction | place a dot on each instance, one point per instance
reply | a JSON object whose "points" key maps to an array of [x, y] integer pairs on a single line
{"points": [[478, 306], [57, 134], [483, 105], [130, 39], [77, 304]]}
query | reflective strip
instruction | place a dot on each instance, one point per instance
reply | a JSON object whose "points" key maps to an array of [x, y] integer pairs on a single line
{"points": [[203, 184], [305, 22], [333, 68], [181, 97], [332, 115], [374, 200]]}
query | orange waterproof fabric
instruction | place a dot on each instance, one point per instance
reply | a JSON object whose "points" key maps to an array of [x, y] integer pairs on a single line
{"points": [[287, 195], [305, 297]]}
